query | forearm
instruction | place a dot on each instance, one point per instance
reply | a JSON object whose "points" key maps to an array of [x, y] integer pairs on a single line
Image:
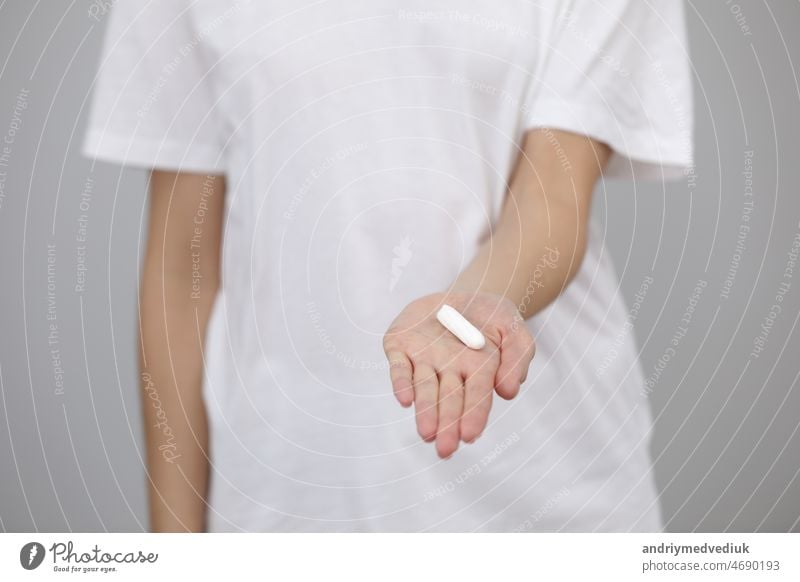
{"points": [[176, 433], [527, 260], [539, 241]]}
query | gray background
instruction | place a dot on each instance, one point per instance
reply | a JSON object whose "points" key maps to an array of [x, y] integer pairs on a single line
{"points": [[726, 445]]}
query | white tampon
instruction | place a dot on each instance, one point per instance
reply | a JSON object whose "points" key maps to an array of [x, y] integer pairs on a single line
{"points": [[458, 325]]}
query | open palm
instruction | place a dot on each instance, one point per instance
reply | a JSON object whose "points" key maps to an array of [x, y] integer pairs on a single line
{"points": [[451, 385]]}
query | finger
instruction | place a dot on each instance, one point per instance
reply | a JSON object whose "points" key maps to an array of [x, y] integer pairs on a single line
{"points": [[401, 373], [451, 405], [516, 352], [478, 393], [426, 394]]}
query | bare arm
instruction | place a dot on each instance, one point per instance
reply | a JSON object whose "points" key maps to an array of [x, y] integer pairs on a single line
{"points": [[180, 279], [535, 250], [539, 241]]}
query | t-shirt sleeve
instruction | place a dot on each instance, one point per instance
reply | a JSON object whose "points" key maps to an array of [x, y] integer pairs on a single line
{"points": [[154, 103], [618, 71]]}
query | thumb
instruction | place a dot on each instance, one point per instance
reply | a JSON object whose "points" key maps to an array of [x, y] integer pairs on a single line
{"points": [[516, 352]]}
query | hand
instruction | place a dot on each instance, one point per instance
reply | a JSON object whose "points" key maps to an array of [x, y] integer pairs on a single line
{"points": [[450, 384]]}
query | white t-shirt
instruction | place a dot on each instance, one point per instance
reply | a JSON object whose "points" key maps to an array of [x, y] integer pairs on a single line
{"points": [[367, 145]]}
